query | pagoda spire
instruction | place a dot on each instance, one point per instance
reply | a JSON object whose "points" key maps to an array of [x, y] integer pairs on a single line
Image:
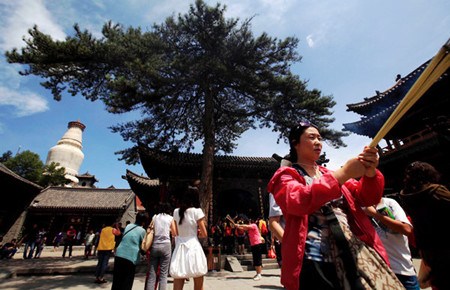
{"points": [[67, 152]]}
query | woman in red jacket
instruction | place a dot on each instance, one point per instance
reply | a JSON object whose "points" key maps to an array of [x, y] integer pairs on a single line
{"points": [[301, 191]]}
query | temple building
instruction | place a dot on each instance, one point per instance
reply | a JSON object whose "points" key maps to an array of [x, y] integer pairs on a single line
{"points": [[239, 183], [86, 180], [55, 208], [17, 194], [422, 134]]}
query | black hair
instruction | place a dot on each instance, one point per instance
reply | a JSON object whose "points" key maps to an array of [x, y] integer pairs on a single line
{"points": [[418, 174], [189, 198], [142, 219], [163, 207], [294, 138]]}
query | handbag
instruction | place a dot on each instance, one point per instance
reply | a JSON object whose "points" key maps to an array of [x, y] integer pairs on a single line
{"points": [[271, 254], [358, 266], [148, 239]]}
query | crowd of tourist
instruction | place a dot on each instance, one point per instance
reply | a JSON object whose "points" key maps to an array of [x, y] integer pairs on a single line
{"points": [[34, 239], [316, 216]]}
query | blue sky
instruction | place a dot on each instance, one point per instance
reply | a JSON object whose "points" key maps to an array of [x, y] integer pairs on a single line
{"points": [[349, 48]]}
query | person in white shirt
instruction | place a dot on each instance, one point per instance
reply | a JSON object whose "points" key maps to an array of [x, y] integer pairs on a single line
{"points": [[276, 219], [161, 249], [394, 227]]}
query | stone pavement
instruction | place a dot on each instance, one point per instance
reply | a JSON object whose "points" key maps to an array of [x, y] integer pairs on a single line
{"points": [[51, 271], [216, 281]]}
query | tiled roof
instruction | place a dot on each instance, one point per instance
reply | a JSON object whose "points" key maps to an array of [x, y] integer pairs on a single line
{"points": [[145, 188], [7, 171], [142, 180], [157, 163], [390, 97], [431, 107], [87, 175], [80, 198], [219, 160]]}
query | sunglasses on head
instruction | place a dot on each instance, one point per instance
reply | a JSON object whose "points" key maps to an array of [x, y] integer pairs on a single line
{"points": [[305, 124]]}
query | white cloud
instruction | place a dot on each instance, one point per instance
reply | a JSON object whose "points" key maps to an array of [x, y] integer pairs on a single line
{"points": [[310, 40], [9, 74], [276, 10], [270, 16], [22, 15], [99, 4], [163, 9], [25, 103]]}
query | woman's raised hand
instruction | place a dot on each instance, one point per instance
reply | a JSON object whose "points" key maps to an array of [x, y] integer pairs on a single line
{"points": [[365, 164], [369, 158], [353, 168]]}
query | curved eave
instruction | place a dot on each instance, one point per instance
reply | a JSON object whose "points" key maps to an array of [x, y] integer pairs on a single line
{"points": [[370, 126], [141, 180], [430, 111], [388, 97], [146, 189], [33, 186]]}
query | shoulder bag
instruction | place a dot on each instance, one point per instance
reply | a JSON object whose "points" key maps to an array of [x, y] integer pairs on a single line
{"points": [[149, 236]]}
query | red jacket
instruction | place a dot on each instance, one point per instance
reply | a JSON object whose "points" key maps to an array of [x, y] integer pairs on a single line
{"points": [[297, 200]]}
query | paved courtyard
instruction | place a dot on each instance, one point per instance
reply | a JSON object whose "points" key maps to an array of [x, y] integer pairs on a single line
{"points": [[220, 281], [53, 272], [79, 274]]}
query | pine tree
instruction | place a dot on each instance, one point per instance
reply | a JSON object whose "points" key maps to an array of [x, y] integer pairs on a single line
{"points": [[195, 77]]}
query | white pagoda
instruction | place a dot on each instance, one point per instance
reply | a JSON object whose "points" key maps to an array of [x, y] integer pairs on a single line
{"points": [[67, 152]]}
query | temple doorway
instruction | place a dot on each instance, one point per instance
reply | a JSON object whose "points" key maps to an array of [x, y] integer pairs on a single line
{"points": [[236, 202]]}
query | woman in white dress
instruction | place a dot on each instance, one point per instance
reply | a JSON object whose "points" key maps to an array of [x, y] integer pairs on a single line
{"points": [[188, 258]]}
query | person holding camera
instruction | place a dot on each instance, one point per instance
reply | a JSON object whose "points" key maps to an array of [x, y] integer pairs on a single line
{"points": [[394, 228]]}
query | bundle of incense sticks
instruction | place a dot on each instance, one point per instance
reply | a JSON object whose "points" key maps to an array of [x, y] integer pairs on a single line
{"points": [[435, 69], [228, 217]]}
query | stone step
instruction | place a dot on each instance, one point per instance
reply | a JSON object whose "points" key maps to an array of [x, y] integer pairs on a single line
{"points": [[264, 261], [246, 256], [265, 266], [246, 261]]}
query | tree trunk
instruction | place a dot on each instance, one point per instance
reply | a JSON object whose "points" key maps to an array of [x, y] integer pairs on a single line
{"points": [[206, 185]]}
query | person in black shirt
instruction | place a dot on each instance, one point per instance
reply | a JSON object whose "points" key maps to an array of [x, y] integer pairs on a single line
{"points": [[30, 241], [8, 250]]}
